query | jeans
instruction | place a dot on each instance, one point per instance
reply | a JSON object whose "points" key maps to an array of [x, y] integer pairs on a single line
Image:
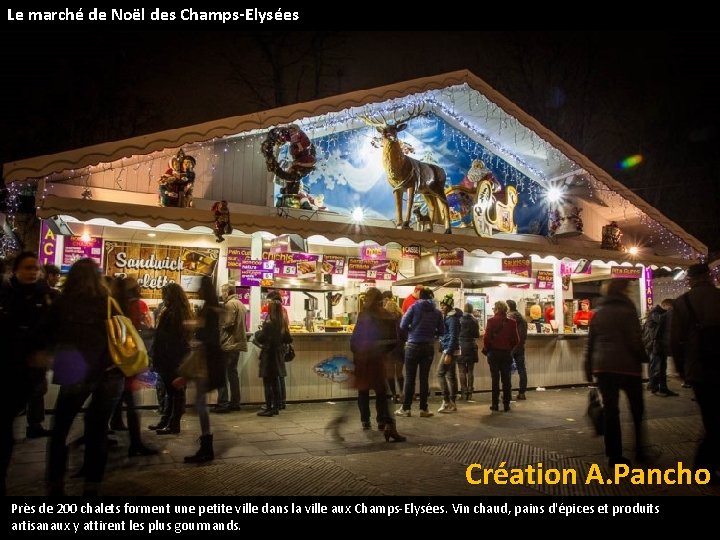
{"points": [[12, 400], [500, 363], [161, 392], [36, 403], [610, 385], [282, 390], [448, 379], [105, 390], [133, 420], [519, 356], [397, 375], [658, 373], [467, 377], [273, 395], [382, 411], [231, 359], [417, 356]]}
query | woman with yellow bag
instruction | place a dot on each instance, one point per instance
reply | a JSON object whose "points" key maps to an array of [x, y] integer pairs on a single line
{"points": [[126, 291]]}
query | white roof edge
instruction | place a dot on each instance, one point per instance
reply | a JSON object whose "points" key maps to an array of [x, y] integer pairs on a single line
{"points": [[40, 166]]}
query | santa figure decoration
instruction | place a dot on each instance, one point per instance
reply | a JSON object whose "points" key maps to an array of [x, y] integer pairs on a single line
{"points": [[176, 185], [222, 220]]}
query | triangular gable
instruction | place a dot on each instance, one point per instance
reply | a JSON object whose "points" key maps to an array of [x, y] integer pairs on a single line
{"points": [[532, 149]]}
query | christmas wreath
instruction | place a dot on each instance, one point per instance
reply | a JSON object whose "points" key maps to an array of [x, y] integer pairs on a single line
{"points": [[302, 152]]}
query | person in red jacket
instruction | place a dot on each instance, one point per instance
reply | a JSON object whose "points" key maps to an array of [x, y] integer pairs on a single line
{"points": [[582, 317], [501, 337], [411, 298], [549, 313]]}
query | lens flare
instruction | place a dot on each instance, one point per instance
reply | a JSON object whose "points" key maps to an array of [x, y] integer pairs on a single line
{"points": [[631, 161]]}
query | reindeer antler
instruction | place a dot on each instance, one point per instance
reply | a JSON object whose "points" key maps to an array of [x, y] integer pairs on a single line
{"points": [[371, 120], [380, 121], [417, 110]]}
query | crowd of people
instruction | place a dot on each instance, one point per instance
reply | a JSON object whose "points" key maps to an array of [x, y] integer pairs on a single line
{"points": [[393, 349], [65, 330], [618, 346]]}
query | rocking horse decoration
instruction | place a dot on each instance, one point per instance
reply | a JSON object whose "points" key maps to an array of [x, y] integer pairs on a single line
{"points": [[302, 152], [408, 175], [176, 185], [494, 206]]}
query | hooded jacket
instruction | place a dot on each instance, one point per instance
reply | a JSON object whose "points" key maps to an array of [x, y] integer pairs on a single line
{"points": [[661, 318], [697, 367], [615, 339], [423, 322], [450, 340]]}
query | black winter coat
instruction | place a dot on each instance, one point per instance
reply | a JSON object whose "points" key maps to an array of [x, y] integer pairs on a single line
{"points": [[469, 333], [23, 311], [170, 344], [209, 334], [272, 338], [78, 323]]}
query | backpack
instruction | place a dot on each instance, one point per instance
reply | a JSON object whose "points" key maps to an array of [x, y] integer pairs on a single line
{"points": [[126, 347], [649, 334]]}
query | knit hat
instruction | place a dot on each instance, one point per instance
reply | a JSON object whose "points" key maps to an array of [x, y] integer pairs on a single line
{"points": [[448, 301]]}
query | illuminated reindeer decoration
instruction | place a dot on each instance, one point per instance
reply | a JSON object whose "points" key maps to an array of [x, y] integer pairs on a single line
{"points": [[408, 175]]}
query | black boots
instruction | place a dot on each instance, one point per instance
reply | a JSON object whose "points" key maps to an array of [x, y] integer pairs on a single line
{"points": [[391, 433], [162, 424], [205, 453], [169, 430], [170, 425], [141, 450]]}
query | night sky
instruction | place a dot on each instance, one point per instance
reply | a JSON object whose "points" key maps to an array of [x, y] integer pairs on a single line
{"points": [[610, 95]]}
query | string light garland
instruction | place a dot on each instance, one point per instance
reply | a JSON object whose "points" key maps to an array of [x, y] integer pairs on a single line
{"points": [[9, 244], [459, 112]]}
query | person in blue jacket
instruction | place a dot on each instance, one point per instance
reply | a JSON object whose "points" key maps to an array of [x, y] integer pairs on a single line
{"points": [[450, 351], [424, 323]]}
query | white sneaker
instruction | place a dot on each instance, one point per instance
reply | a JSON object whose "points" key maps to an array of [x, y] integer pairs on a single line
{"points": [[445, 407], [403, 412]]}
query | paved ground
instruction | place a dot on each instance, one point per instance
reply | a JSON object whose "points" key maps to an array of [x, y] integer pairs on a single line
{"points": [[294, 453]]}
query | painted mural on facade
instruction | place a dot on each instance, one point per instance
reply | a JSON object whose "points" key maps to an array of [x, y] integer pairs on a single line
{"points": [[349, 174]]}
